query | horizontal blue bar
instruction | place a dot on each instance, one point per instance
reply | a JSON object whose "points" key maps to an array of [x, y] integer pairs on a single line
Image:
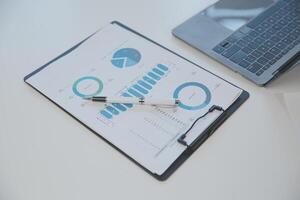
{"points": [[128, 105], [106, 114], [158, 71], [126, 95], [154, 76], [119, 106], [149, 80], [163, 67], [112, 110], [145, 85], [134, 93], [140, 89]]}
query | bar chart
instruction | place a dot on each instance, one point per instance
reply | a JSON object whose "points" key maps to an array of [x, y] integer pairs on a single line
{"points": [[139, 89]]}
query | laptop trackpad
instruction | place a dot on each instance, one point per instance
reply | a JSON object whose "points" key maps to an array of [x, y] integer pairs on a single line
{"points": [[202, 32]]}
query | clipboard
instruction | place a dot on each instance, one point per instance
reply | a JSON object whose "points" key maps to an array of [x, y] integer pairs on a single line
{"points": [[202, 137]]}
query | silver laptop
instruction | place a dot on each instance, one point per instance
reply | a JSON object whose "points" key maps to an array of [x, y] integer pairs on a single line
{"points": [[259, 39]]}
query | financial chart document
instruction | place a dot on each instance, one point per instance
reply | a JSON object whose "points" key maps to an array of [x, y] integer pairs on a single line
{"points": [[117, 62]]}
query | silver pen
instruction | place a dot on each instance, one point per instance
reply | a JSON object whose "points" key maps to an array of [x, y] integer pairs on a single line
{"points": [[163, 102]]}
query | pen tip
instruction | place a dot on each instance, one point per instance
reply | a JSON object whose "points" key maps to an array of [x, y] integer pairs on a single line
{"points": [[87, 98]]}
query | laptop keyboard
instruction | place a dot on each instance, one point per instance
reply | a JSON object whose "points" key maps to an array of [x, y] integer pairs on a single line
{"points": [[264, 40]]}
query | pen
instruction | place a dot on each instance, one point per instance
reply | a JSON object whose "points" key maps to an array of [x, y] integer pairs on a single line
{"points": [[135, 100]]}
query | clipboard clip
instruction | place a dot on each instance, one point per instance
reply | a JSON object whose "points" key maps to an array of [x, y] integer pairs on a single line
{"points": [[181, 139]]}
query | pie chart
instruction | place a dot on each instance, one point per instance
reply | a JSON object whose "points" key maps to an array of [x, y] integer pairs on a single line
{"points": [[126, 57]]}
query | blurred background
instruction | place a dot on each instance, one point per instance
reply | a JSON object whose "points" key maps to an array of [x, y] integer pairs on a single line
{"points": [[44, 154]]}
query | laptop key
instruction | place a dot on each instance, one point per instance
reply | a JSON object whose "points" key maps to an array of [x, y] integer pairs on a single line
{"points": [[267, 66], [238, 57], [293, 36], [277, 16], [244, 64], [256, 53], [247, 50], [293, 13], [263, 48], [225, 44], [269, 56], [218, 49], [279, 56], [246, 30], [280, 45], [271, 62], [293, 24], [281, 34], [232, 50], [254, 67], [275, 50], [260, 29], [242, 43], [269, 43], [265, 24], [288, 18], [271, 20], [272, 31], [262, 60], [266, 35], [281, 12], [275, 39], [253, 45], [260, 72], [291, 46], [253, 33], [250, 58], [284, 51], [287, 40], [247, 38], [259, 40], [287, 30], [277, 26], [282, 22]]}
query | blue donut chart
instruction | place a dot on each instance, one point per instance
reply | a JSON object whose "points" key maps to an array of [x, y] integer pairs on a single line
{"points": [[78, 93], [195, 84]]}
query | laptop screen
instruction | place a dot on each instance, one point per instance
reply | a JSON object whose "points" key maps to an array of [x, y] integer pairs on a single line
{"points": [[233, 14]]}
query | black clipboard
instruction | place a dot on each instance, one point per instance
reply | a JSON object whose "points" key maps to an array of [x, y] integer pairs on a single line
{"points": [[193, 146]]}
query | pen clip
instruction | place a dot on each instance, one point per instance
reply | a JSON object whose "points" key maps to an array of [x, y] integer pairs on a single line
{"points": [[176, 103], [165, 106]]}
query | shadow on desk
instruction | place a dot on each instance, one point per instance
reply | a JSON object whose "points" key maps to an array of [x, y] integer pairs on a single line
{"points": [[289, 82]]}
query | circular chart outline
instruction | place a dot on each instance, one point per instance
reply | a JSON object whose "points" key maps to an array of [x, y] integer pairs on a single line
{"points": [[124, 49], [76, 92], [199, 85]]}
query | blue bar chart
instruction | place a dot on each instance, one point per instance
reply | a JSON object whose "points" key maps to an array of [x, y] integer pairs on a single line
{"points": [[138, 89]]}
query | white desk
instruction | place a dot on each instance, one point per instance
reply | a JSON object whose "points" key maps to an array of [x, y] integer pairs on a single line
{"points": [[46, 155]]}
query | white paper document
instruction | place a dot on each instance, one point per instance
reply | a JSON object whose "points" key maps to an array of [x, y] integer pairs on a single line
{"points": [[117, 62]]}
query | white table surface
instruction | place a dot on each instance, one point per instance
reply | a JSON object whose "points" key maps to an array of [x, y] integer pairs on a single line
{"points": [[46, 155]]}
